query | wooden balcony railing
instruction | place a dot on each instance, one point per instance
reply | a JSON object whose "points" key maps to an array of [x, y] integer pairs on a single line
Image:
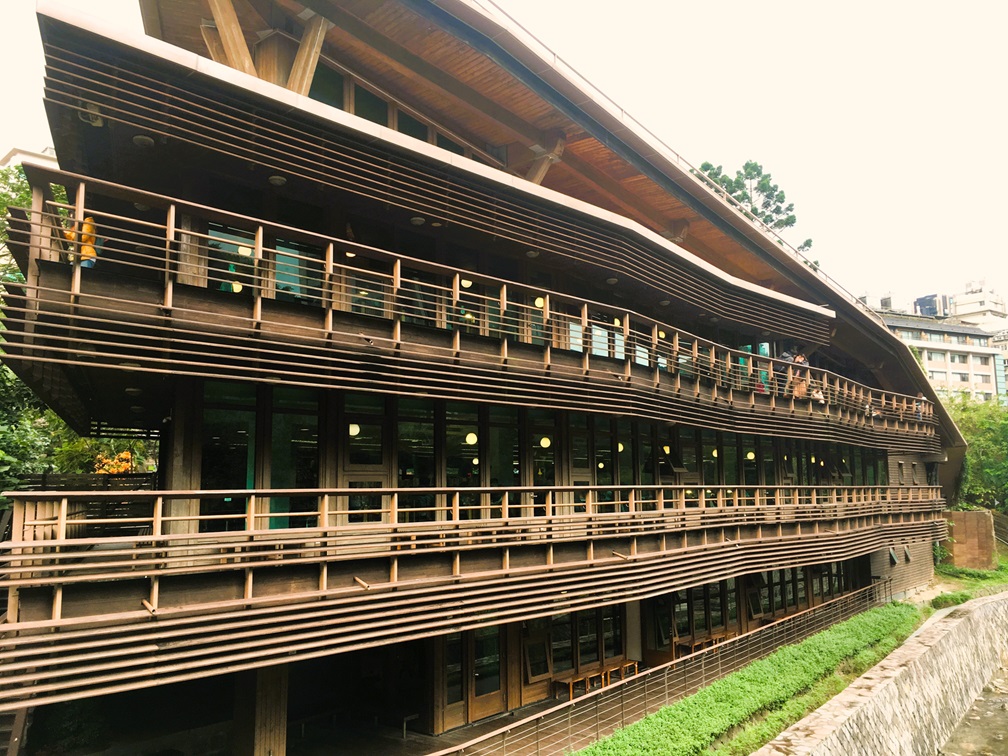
{"points": [[169, 601], [73, 537], [351, 284]]}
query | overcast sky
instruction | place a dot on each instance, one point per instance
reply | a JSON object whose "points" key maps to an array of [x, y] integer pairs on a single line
{"points": [[884, 122]]}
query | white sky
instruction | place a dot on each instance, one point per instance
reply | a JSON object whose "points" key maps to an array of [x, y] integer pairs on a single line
{"points": [[884, 122]]}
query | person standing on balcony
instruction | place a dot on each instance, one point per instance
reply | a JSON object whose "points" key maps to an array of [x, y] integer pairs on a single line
{"points": [[86, 242]]}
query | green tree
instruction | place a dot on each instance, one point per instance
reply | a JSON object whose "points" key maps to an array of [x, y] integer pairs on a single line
{"points": [[984, 477], [759, 196], [33, 439]]}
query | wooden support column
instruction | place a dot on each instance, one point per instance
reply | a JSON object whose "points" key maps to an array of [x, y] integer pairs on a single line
{"points": [[306, 60], [212, 40], [231, 36], [260, 720], [553, 152]]}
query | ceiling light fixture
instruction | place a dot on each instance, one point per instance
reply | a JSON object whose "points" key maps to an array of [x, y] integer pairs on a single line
{"points": [[277, 180], [417, 220], [144, 141], [612, 280]]}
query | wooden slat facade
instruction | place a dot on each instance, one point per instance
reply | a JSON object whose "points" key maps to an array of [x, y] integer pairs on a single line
{"points": [[478, 439]]}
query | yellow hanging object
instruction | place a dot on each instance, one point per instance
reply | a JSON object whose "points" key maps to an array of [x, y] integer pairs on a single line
{"points": [[88, 238]]}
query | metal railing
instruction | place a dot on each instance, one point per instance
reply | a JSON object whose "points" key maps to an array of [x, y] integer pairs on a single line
{"points": [[582, 721]]}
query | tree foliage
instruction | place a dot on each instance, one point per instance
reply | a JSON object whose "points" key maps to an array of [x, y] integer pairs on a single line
{"points": [[984, 478], [759, 196], [33, 439]]}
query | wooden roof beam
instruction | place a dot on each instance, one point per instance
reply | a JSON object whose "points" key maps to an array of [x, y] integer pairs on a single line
{"points": [[413, 65], [232, 38], [212, 40], [306, 61]]}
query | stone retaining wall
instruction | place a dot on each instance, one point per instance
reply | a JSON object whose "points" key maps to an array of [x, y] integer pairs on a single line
{"points": [[913, 699]]}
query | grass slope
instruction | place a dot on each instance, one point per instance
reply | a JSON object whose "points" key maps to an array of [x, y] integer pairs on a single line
{"points": [[690, 726]]}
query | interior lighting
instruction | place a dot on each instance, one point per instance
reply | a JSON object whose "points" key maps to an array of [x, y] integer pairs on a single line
{"points": [[714, 453], [465, 283], [144, 141], [750, 455], [354, 429], [616, 322], [471, 438], [539, 301], [619, 446], [277, 180], [475, 461], [417, 220], [545, 442], [133, 391], [661, 334], [667, 449], [601, 465], [612, 280], [532, 254], [813, 459], [664, 303]]}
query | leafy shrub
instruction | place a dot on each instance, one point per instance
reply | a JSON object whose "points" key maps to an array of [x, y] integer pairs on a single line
{"points": [[950, 599]]}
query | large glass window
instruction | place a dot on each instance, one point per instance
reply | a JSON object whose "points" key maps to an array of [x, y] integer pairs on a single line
{"points": [[504, 456], [365, 415], [227, 452], [294, 454], [588, 639], [415, 459], [407, 124], [370, 106], [542, 427], [327, 86], [462, 458]]}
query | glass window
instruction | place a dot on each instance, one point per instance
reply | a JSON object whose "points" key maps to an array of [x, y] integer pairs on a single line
{"points": [[227, 452], [294, 454], [662, 623], [449, 144], [487, 660], [588, 641], [543, 429], [680, 612], [560, 643], [415, 459], [612, 631], [407, 124], [327, 87], [504, 456], [462, 458], [364, 421], [370, 106], [453, 667], [298, 272]]}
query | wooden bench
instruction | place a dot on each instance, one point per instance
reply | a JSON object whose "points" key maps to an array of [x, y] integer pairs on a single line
{"points": [[625, 668], [572, 680]]}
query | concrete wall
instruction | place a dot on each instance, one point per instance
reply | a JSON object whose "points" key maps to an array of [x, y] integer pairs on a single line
{"points": [[909, 703], [971, 540]]}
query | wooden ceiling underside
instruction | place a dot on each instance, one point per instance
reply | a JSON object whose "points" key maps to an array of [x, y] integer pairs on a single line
{"points": [[432, 71]]}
